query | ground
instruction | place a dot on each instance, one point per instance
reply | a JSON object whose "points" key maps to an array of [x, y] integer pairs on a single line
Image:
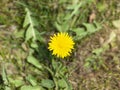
{"points": [[95, 62]]}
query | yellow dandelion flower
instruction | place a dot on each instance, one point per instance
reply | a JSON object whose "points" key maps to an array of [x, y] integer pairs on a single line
{"points": [[61, 44]]}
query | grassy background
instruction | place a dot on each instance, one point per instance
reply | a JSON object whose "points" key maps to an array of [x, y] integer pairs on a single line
{"points": [[103, 75]]}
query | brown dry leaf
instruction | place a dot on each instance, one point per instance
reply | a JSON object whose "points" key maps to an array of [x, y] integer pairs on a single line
{"points": [[24, 46], [116, 23], [11, 68], [112, 37], [92, 17], [101, 40]]}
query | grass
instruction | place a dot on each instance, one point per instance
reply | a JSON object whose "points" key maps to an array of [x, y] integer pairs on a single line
{"points": [[26, 63]]}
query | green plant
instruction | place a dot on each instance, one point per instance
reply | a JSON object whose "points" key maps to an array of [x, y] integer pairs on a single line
{"points": [[96, 61], [68, 19], [53, 74], [66, 22], [57, 71]]}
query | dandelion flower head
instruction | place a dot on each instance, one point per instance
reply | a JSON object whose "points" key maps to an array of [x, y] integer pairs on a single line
{"points": [[61, 44]]}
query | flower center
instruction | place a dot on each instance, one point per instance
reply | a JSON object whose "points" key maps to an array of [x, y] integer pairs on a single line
{"points": [[60, 45]]}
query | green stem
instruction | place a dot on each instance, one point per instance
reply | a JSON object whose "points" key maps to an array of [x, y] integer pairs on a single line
{"points": [[54, 79]]}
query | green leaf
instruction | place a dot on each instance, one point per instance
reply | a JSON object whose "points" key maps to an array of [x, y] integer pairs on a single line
{"points": [[102, 7], [76, 9], [30, 33], [58, 68], [80, 33], [47, 83], [54, 64], [17, 82], [19, 34], [27, 18], [98, 51], [62, 27], [32, 80], [87, 64], [4, 75], [83, 32], [30, 22], [39, 36], [58, 26], [65, 26], [62, 1], [90, 28], [5, 79], [31, 88], [34, 61], [62, 83], [34, 45], [65, 81]]}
